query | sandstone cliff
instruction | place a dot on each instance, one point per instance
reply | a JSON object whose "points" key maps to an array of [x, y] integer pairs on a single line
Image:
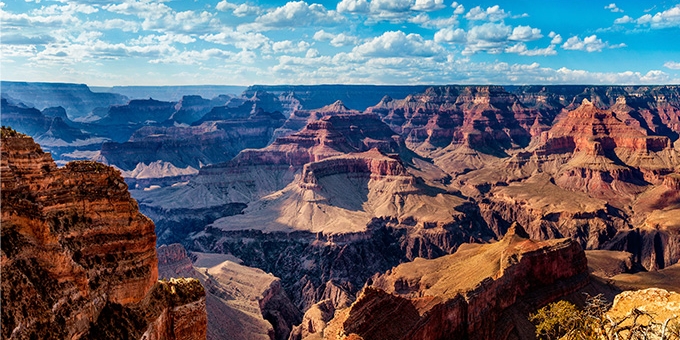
{"points": [[78, 259], [463, 295]]}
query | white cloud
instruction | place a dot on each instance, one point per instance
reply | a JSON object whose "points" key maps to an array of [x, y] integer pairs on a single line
{"points": [[428, 5], [672, 65], [336, 40], [167, 38], [111, 24], [395, 6], [612, 7], [459, 9], [521, 49], [450, 35], [494, 13], [556, 38], [52, 16], [239, 10], [589, 44], [142, 9], [158, 16], [488, 37], [241, 40], [193, 57], [312, 53], [424, 20], [525, 33], [667, 18], [624, 20], [287, 46], [353, 6], [569, 76], [299, 13], [398, 44]]}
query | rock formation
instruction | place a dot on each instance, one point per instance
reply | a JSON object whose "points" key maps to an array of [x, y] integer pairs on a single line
{"points": [[209, 143], [242, 302], [78, 259], [77, 99], [463, 295]]}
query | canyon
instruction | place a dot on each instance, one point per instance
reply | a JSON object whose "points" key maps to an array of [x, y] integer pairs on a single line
{"points": [[326, 199]]}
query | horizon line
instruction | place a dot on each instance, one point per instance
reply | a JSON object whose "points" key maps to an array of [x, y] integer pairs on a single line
{"points": [[342, 84]]}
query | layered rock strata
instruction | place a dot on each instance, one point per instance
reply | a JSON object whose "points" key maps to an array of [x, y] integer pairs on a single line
{"points": [[242, 302], [463, 295], [77, 255]]}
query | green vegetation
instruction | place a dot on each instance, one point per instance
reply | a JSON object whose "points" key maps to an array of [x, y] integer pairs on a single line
{"points": [[7, 132], [563, 320]]}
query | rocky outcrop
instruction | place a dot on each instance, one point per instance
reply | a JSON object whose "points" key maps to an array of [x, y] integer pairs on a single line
{"points": [[242, 302], [77, 254], [372, 164], [660, 308], [464, 295]]}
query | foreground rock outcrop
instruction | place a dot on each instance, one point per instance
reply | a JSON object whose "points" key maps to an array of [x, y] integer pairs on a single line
{"points": [[464, 295], [242, 302], [78, 259]]}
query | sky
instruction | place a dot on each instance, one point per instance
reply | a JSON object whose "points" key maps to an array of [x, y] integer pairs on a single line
{"points": [[401, 42]]}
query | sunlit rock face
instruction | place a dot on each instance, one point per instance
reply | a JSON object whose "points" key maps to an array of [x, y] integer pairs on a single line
{"points": [[77, 255], [463, 295]]}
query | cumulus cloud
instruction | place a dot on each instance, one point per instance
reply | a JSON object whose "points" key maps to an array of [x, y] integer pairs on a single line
{"points": [[241, 40], [556, 39], [588, 44], [287, 46], [612, 7], [397, 44], [239, 10], [449, 35], [494, 13], [383, 6], [299, 13], [53, 16], [111, 24], [353, 6], [428, 5], [336, 40], [424, 20], [489, 37], [160, 17], [459, 9], [525, 33], [521, 49], [168, 38], [667, 18], [624, 20], [672, 65]]}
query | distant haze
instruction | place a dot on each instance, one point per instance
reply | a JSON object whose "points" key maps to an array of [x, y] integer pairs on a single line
{"points": [[170, 93]]}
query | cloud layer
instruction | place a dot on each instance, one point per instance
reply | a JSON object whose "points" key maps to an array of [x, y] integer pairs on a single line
{"points": [[351, 41]]}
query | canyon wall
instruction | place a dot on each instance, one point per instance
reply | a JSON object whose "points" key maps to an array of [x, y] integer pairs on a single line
{"points": [[78, 259]]}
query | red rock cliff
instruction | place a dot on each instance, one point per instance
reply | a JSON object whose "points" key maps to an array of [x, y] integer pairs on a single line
{"points": [[463, 295], [76, 253]]}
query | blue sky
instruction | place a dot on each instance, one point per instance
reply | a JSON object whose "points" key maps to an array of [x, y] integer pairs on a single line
{"points": [[151, 42]]}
